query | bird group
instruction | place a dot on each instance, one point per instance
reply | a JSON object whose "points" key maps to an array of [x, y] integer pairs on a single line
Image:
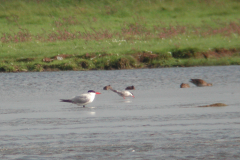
{"points": [[197, 82], [87, 98]]}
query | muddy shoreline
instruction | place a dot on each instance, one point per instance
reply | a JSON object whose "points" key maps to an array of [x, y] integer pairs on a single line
{"points": [[104, 61]]}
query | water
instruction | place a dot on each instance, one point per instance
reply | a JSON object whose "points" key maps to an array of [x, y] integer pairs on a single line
{"points": [[163, 121]]}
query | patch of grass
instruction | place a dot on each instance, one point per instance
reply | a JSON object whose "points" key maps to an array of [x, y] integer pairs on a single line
{"points": [[116, 62], [25, 59], [7, 68], [85, 64], [185, 53], [117, 34]]}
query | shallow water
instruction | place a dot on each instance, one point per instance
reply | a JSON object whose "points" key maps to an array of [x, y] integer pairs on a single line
{"points": [[162, 122]]}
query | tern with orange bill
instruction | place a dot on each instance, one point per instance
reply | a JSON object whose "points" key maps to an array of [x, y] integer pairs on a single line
{"points": [[82, 99]]}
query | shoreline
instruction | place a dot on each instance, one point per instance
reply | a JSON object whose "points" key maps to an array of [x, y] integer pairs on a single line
{"points": [[139, 60]]}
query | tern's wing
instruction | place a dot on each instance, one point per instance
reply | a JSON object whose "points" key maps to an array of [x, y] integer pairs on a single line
{"points": [[84, 98]]}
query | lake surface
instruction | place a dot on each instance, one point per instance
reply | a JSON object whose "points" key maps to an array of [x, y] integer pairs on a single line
{"points": [[163, 121]]}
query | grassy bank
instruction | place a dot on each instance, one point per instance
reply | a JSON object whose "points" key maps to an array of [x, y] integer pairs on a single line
{"points": [[81, 35]]}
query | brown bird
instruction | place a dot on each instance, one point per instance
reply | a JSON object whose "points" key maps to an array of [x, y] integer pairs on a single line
{"points": [[130, 88], [184, 85], [107, 87], [200, 82]]}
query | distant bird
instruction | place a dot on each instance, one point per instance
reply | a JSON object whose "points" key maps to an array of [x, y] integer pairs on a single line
{"points": [[83, 99], [200, 82], [130, 88], [107, 87], [123, 93], [47, 60], [215, 105], [184, 85]]}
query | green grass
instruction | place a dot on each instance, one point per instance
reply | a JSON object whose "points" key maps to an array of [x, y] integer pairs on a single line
{"points": [[115, 33]]}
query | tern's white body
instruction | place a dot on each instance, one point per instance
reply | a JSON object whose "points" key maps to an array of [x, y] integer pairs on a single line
{"points": [[82, 99]]}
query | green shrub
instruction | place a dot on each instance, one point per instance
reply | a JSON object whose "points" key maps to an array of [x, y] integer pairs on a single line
{"points": [[185, 53]]}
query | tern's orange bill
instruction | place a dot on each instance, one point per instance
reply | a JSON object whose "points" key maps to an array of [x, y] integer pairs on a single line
{"points": [[98, 93]]}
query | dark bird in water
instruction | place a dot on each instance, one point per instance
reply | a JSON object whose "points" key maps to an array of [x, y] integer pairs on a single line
{"points": [[184, 85], [130, 88], [200, 82], [107, 87]]}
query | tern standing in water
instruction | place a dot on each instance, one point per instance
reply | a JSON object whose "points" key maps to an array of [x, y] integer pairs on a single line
{"points": [[83, 99]]}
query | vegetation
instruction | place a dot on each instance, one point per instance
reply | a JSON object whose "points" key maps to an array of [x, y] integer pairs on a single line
{"points": [[45, 35]]}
